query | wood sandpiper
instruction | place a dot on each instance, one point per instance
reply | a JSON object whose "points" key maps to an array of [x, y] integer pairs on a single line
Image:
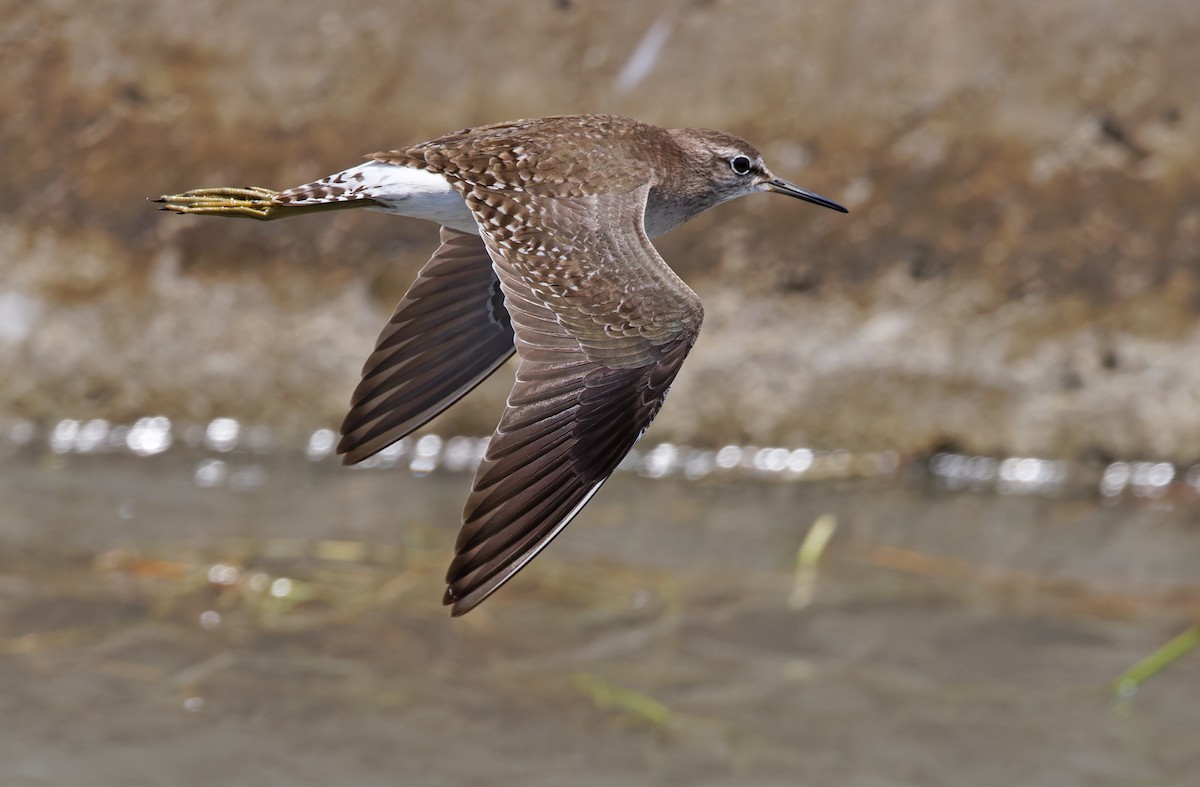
{"points": [[545, 251]]}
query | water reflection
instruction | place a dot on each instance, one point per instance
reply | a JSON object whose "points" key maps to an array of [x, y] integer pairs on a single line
{"points": [[149, 436], [1030, 475], [222, 434], [320, 444], [430, 452], [281, 588], [1143, 479], [734, 631], [211, 472], [425, 457], [221, 574]]}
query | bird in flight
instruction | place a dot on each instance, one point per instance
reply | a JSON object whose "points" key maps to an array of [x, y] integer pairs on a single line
{"points": [[545, 251]]}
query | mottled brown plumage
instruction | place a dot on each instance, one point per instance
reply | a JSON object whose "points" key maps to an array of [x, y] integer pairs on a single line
{"points": [[563, 271]]}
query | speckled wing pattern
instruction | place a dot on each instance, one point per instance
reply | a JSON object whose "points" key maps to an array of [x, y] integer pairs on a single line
{"points": [[602, 326], [449, 332]]}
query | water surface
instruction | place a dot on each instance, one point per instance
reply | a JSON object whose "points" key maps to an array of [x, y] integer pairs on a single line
{"points": [[272, 620]]}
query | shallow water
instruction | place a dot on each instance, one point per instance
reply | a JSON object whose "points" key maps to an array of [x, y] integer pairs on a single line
{"points": [[272, 620]]}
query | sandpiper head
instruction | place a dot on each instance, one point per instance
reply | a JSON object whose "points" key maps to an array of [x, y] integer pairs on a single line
{"points": [[734, 168]]}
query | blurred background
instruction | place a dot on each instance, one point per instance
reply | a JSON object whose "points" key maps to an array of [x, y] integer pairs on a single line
{"points": [[924, 491]]}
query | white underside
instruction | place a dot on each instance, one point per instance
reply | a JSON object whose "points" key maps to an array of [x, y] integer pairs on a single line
{"points": [[407, 191]]}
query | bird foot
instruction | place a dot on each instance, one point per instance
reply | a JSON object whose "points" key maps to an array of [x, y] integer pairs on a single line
{"points": [[252, 202]]}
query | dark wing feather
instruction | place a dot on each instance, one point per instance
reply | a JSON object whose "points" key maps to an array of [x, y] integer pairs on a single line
{"points": [[602, 326], [449, 332]]}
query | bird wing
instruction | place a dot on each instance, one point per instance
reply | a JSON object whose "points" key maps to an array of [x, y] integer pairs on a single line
{"points": [[602, 326], [449, 332]]}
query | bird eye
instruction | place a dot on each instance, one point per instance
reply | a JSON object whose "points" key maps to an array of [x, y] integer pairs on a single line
{"points": [[741, 165]]}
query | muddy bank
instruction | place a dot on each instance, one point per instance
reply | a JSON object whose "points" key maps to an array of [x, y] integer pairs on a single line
{"points": [[1020, 272]]}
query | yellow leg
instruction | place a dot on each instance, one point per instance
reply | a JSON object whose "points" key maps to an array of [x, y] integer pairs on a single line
{"points": [[252, 202]]}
